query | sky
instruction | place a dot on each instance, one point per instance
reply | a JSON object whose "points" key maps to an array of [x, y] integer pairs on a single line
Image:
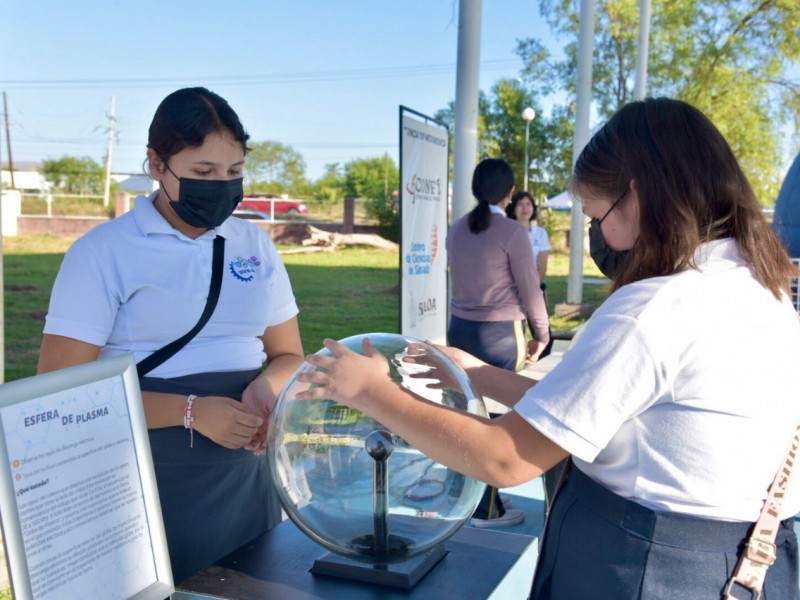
{"points": [[325, 77]]}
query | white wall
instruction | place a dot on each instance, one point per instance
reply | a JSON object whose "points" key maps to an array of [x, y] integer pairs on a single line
{"points": [[25, 180], [11, 206]]}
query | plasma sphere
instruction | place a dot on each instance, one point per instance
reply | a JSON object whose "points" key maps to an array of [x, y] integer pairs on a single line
{"points": [[354, 486]]}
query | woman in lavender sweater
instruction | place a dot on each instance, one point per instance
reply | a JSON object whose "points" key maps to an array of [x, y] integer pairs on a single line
{"points": [[495, 288]]}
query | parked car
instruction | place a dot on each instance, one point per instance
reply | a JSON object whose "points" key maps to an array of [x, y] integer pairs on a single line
{"points": [[263, 201], [251, 214]]}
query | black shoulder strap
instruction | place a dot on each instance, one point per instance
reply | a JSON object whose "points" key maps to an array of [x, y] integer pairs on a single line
{"points": [[163, 354]]}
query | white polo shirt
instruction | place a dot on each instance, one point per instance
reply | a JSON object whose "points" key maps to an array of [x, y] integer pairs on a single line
{"points": [[135, 284], [539, 240], [681, 393]]}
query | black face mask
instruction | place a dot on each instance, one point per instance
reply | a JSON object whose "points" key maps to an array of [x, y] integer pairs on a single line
{"points": [[206, 203], [606, 258]]}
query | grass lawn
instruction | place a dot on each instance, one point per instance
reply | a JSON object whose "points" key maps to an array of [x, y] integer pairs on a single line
{"points": [[340, 294]]}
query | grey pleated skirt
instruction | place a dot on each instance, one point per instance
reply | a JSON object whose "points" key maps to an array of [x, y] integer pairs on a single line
{"points": [[599, 545], [213, 500]]}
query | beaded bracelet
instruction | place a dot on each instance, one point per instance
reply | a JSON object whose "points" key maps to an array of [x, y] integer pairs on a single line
{"points": [[188, 418]]}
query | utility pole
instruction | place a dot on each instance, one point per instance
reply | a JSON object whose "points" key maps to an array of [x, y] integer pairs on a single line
{"points": [[111, 131], [466, 122], [583, 99], [8, 142], [642, 49]]}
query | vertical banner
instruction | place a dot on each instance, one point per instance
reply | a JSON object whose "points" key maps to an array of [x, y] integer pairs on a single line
{"points": [[423, 217]]}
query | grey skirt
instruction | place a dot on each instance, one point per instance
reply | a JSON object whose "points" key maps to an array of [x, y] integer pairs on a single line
{"points": [[599, 545], [213, 500]]}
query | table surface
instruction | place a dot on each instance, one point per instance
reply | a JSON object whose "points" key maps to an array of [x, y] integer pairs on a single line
{"points": [[276, 565]]}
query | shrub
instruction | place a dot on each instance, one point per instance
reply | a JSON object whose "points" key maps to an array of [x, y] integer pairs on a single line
{"points": [[386, 212]]}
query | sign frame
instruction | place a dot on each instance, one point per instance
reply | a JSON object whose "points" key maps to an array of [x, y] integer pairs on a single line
{"points": [[15, 395], [424, 176]]}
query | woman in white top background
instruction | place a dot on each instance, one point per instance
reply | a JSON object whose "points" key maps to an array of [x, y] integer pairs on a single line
{"points": [[524, 211]]}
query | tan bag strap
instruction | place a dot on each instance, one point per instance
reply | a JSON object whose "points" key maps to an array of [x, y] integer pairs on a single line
{"points": [[760, 551]]}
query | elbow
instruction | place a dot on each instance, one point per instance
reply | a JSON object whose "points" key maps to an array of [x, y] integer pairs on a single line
{"points": [[509, 473], [507, 469], [509, 458]]}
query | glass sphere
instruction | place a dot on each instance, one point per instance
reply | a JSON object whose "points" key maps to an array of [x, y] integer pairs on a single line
{"points": [[354, 486]]}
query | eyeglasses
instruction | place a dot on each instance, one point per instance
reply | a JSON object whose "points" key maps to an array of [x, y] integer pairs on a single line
{"points": [[617, 201]]}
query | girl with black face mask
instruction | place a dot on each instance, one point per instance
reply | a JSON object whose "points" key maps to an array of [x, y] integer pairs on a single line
{"points": [[677, 418], [205, 203], [142, 281], [604, 256]]}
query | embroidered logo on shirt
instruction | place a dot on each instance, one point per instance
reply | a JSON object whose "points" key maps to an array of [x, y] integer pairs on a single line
{"points": [[244, 269]]}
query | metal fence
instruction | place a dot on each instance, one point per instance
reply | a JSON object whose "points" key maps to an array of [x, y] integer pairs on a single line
{"points": [[54, 205], [64, 204]]}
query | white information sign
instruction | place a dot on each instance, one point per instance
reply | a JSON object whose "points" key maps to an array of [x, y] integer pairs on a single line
{"points": [[423, 210], [80, 510]]}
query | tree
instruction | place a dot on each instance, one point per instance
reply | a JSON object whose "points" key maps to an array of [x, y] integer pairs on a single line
{"points": [[370, 177], [549, 141], [729, 59], [375, 180], [501, 134], [330, 185], [275, 167], [73, 175]]}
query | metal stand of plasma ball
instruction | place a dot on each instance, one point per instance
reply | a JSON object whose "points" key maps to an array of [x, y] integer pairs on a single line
{"points": [[390, 569], [379, 446]]}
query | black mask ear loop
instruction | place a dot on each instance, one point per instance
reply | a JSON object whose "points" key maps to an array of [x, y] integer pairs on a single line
{"points": [[163, 187]]}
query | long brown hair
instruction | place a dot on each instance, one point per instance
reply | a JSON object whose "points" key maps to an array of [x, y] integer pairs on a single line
{"points": [[691, 190]]}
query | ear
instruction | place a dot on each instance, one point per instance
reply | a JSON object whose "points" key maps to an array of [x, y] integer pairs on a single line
{"points": [[157, 167]]}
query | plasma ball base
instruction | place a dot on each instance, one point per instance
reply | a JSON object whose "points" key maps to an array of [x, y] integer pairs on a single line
{"points": [[398, 547], [403, 575]]}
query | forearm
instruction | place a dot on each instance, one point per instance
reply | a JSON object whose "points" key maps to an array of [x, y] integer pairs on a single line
{"points": [[536, 311], [505, 451], [223, 420], [284, 356], [501, 385], [279, 370], [541, 265], [163, 410], [262, 393], [481, 448], [532, 299]]}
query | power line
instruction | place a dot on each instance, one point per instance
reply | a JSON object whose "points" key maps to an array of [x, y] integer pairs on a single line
{"points": [[260, 79]]}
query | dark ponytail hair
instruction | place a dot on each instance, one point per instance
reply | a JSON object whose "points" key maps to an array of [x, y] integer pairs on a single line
{"points": [[187, 116], [492, 181]]}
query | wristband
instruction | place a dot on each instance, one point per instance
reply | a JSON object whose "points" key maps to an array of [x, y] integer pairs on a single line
{"points": [[188, 418]]}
